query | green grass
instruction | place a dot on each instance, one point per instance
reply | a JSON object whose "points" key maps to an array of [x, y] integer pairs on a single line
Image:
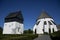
{"points": [[28, 35], [18, 37]]}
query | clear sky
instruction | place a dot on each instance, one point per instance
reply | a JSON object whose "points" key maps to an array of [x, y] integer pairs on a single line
{"points": [[31, 9]]}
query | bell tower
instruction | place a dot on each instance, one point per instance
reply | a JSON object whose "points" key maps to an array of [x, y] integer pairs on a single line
{"points": [[13, 23]]}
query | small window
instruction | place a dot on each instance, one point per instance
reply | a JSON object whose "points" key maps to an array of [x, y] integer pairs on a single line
{"points": [[45, 23], [53, 22], [9, 25], [37, 23], [18, 29], [49, 22]]}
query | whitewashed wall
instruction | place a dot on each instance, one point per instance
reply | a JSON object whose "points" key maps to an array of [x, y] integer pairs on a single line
{"points": [[39, 28], [12, 28]]}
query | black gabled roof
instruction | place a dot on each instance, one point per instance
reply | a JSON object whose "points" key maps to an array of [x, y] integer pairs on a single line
{"points": [[14, 16], [44, 15]]}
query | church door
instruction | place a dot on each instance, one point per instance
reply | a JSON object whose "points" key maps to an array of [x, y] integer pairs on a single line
{"points": [[49, 30], [53, 30], [35, 31]]}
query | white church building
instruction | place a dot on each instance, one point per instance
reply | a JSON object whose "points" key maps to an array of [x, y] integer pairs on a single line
{"points": [[13, 23], [44, 23]]}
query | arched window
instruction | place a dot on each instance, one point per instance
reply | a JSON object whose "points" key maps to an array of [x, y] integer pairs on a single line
{"points": [[49, 22], [37, 22], [45, 23]]}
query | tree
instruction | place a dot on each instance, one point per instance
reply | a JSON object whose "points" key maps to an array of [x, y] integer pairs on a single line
{"points": [[29, 31], [0, 30]]}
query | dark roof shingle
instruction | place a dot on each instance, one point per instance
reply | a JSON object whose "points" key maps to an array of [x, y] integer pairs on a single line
{"points": [[15, 14], [44, 15]]}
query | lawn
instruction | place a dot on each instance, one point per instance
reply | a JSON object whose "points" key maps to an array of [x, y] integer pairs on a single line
{"points": [[18, 37]]}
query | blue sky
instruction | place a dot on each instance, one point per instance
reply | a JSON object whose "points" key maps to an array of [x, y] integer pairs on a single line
{"points": [[31, 9]]}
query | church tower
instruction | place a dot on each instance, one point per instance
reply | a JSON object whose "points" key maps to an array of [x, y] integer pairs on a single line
{"points": [[13, 23], [44, 24]]}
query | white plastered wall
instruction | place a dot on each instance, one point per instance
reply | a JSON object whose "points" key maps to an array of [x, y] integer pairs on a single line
{"points": [[12, 28], [39, 28]]}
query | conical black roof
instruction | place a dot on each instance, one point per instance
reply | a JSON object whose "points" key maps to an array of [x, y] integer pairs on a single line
{"points": [[44, 15], [14, 16]]}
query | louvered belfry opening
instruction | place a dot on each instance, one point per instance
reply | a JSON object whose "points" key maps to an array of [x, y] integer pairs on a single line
{"points": [[14, 16]]}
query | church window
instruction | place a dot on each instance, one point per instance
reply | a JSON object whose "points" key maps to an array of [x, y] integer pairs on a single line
{"points": [[49, 22], [45, 23], [37, 22], [18, 29]]}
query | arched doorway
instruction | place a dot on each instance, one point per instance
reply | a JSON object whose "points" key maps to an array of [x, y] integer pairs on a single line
{"points": [[53, 30], [35, 31], [49, 31]]}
